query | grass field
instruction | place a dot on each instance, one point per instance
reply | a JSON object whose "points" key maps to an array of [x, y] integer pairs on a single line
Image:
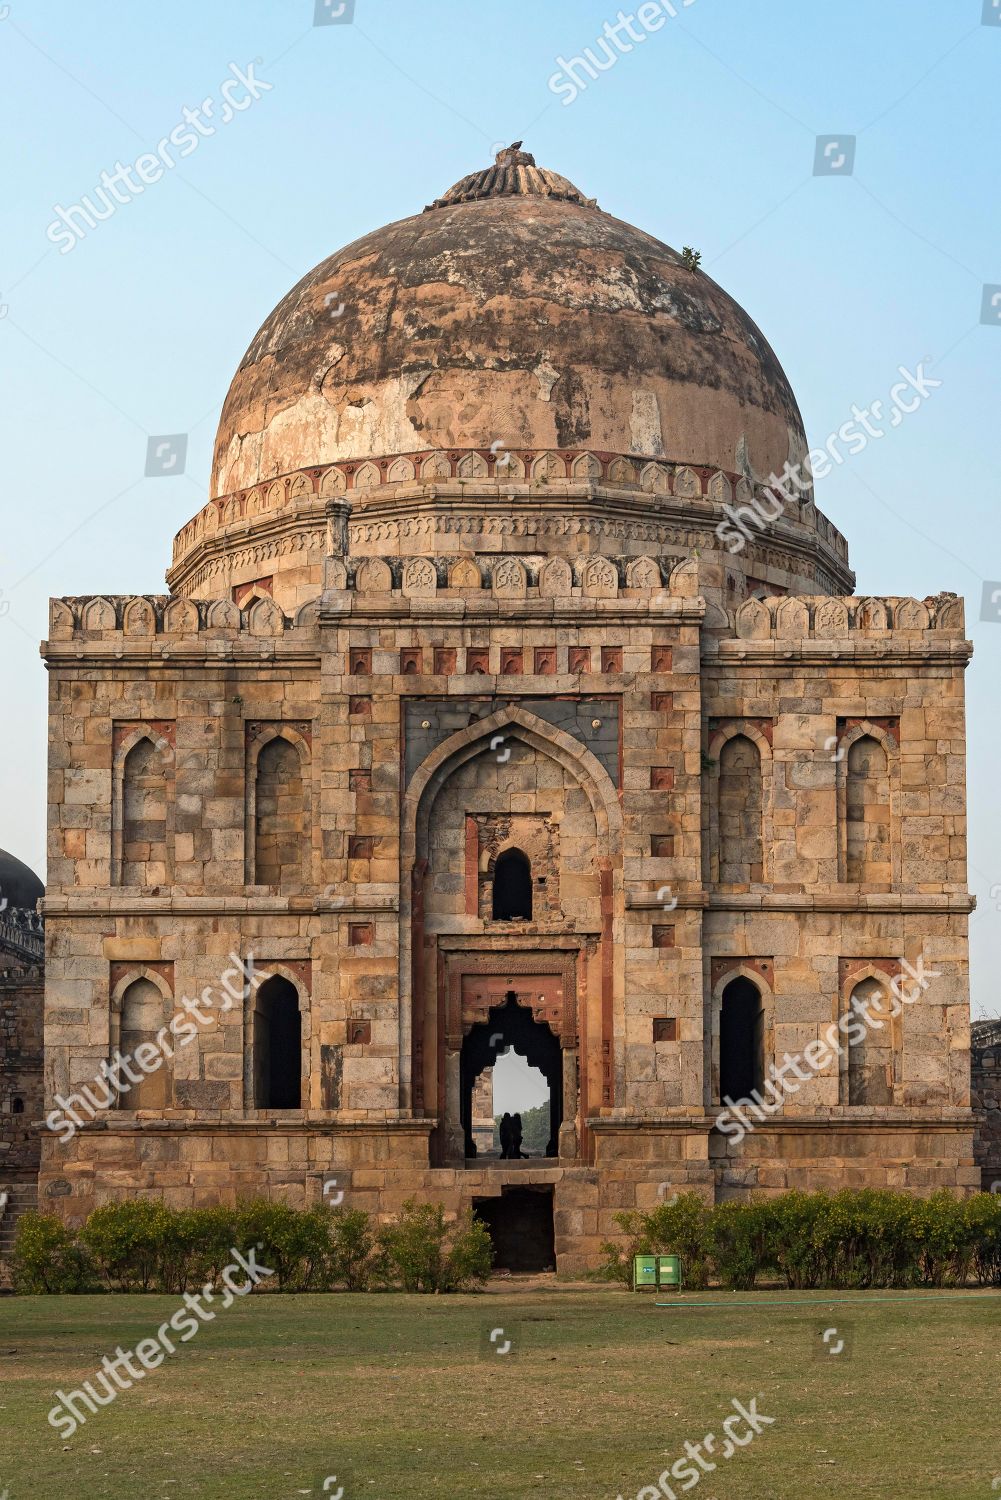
{"points": [[406, 1396]]}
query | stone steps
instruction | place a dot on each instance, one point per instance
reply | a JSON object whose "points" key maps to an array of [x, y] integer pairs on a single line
{"points": [[21, 1196]]}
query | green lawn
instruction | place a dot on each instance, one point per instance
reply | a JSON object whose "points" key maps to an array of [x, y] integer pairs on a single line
{"points": [[404, 1396]]}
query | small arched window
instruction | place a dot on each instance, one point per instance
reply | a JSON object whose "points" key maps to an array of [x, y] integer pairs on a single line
{"points": [[741, 1041], [144, 815], [279, 832], [512, 897], [143, 1016], [277, 1041], [867, 814], [740, 807], [18, 1106], [870, 1057]]}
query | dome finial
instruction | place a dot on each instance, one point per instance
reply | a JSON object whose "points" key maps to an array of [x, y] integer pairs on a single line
{"points": [[513, 156]]}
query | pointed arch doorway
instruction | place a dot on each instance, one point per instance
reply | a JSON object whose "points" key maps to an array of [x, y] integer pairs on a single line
{"points": [[524, 1002], [511, 1026]]}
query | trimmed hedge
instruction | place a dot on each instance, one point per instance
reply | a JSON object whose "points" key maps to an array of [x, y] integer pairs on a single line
{"points": [[870, 1238], [141, 1245]]}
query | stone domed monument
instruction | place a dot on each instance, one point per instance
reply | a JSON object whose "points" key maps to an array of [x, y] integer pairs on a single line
{"points": [[509, 693]]}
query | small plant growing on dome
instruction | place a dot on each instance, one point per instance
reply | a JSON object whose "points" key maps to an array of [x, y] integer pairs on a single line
{"points": [[692, 258]]}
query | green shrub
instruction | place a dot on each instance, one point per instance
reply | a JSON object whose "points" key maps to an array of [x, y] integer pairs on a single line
{"points": [[739, 1243], [47, 1257], [198, 1246], [130, 1243], [421, 1253], [352, 1243], [983, 1218], [295, 1243]]}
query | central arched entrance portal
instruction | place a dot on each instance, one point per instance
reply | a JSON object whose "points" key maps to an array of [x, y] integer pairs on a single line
{"points": [[510, 1025]]}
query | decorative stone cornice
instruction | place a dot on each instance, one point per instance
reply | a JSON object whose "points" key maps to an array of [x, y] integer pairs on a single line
{"points": [[295, 503]]}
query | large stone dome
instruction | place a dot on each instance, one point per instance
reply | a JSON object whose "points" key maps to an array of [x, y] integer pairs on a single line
{"points": [[511, 311], [511, 363]]}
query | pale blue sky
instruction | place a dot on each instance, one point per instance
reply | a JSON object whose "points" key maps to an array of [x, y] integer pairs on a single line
{"points": [[705, 135]]}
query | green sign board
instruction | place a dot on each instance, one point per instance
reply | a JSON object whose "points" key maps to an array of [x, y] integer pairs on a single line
{"points": [[669, 1270], [644, 1271]]}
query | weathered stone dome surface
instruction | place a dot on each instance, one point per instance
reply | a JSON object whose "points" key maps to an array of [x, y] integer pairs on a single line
{"points": [[512, 311]]}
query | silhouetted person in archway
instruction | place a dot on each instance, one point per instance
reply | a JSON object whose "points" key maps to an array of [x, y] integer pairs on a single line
{"points": [[505, 1132], [516, 1150]]}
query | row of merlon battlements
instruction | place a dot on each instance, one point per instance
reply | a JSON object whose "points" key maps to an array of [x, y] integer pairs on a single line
{"points": [[505, 469], [819, 617]]}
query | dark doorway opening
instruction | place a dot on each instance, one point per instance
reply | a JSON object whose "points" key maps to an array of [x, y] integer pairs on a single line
{"points": [[741, 1041], [511, 1025], [512, 887], [520, 1225], [277, 1046]]}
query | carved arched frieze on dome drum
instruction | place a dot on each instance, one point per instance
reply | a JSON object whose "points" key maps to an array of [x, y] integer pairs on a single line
{"points": [[585, 468], [720, 489], [465, 574], [548, 468], [333, 483], [436, 466], [419, 578], [367, 476], [509, 579], [655, 479], [644, 573], [401, 471], [555, 579], [687, 484], [372, 575], [599, 578], [622, 471], [472, 466]]}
